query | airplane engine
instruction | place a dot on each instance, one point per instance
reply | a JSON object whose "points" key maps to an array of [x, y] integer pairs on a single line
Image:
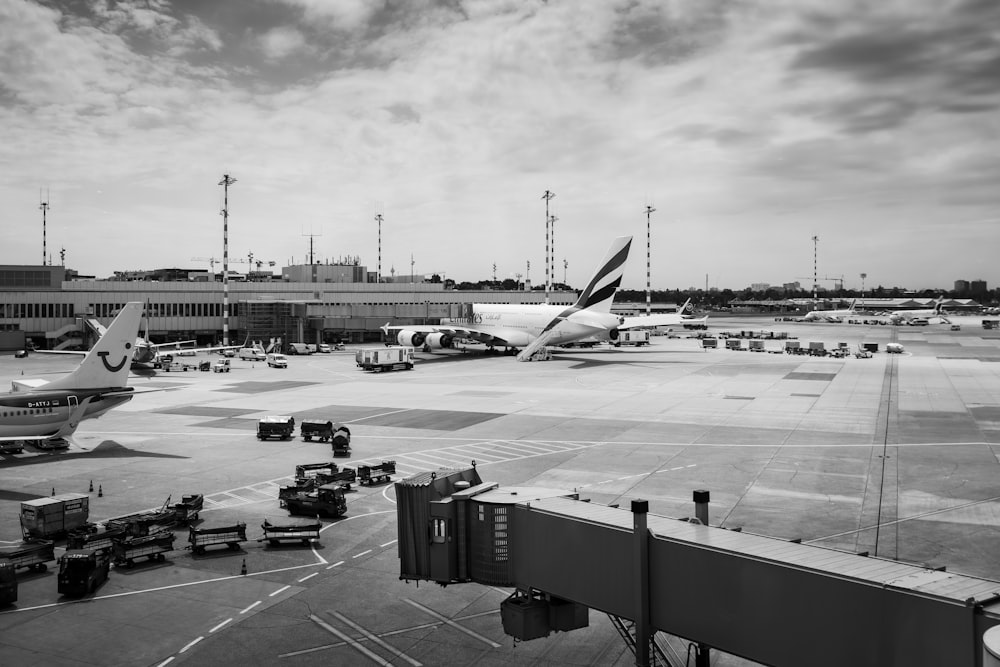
{"points": [[436, 341], [411, 338], [613, 334]]}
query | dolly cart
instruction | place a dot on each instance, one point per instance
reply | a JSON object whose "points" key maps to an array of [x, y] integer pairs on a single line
{"points": [[151, 546], [376, 474], [286, 529], [231, 536], [32, 554]]}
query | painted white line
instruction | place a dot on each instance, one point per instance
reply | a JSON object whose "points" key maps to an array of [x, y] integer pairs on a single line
{"points": [[383, 546], [250, 607], [371, 637], [352, 643], [339, 562], [166, 662], [448, 621], [220, 625], [190, 644], [280, 590], [362, 554], [308, 576]]}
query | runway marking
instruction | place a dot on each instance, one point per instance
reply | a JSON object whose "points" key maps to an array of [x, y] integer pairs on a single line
{"points": [[166, 662], [250, 607], [362, 554], [220, 625], [374, 638], [451, 623], [383, 546], [339, 562], [280, 590], [308, 576], [356, 645], [190, 644]]}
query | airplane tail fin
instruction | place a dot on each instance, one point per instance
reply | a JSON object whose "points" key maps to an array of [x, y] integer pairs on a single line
{"points": [[683, 309], [600, 291], [107, 363]]}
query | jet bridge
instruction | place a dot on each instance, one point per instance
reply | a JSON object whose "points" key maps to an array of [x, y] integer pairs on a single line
{"points": [[765, 599]]}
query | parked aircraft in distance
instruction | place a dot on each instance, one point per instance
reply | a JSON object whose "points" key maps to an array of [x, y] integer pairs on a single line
{"points": [[532, 326], [830, 315], [677, 318], [920, 314], [42, 410]]}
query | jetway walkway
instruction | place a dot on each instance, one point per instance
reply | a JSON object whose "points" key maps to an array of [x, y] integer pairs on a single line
{"points": [[765, 599]]}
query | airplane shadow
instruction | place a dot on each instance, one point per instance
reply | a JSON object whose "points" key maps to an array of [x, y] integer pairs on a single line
{"points": [[109, 449]]}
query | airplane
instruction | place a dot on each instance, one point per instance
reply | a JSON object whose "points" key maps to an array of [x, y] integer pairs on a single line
{"points": [[665, 319], [830, 315], [921, 315], [532, 326], [38, 409]]}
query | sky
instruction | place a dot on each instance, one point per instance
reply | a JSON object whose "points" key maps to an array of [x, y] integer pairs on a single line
{"points": [[751, 127]]}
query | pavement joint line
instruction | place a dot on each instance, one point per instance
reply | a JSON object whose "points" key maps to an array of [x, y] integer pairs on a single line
{"points": [[375, 638], [280, 590], [353, 643]]}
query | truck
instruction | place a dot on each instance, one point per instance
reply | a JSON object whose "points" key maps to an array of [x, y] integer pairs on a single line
{"points": [[316, 428], [55, 516], [31, 553], [376, 474], [276, 426], [287, 529], [341, 440], [630, 337], [327, 500], [151, 546], [190, 506], [8, 583], [230, 535], [389, 358], [82, 571]]}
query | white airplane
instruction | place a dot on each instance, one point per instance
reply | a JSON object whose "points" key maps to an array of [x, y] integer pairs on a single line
{"points": [[532, 326], [921, 314], [42, 410], [830, 315], [677, 318]]}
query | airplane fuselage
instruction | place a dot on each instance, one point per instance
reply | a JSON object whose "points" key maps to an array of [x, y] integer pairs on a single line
{"points": [[48, 413], [520, 324]]}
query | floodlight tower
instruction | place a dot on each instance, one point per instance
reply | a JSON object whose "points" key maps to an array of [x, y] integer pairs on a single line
{"points": [[378, 271], [863, 276], [649, 289], [565, 267], [547, 197], [226, 181], [815, 277], [44, 206]]}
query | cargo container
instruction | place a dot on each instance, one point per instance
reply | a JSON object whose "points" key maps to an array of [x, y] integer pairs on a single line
{"points": [[390, 358], [55, 516], [629, 337], [276, 426]]}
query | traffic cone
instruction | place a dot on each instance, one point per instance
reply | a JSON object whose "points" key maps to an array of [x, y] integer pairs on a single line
{"points": [[91, 489], [100, 491], [53, 490], [243, 570]]}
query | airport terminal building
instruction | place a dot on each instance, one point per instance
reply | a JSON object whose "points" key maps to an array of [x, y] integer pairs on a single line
{"points": [[50, 308]]}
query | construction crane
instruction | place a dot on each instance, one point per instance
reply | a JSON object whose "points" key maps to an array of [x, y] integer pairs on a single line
{"points": [[838, 283]]}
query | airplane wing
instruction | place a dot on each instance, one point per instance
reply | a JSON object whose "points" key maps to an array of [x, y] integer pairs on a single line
{"points": [[655, 320], [457, 332]]}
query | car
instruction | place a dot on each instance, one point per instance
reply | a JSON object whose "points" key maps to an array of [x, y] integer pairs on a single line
{"points": [[229, 352], [324, 348], [20, 354], [893, 348]]}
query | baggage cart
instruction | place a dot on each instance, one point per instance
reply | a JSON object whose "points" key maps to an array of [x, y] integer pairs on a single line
{"points": [[287, 529], [281, 427], [145, 523], [189, 508], [316, 428], [82, 571], [8, 583], [327, 499], [376, 474], [341, 440], [32, 554], [231, 536], [96, 539], [151, 546]]}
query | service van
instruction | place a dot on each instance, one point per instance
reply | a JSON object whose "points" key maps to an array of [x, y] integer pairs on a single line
{"points": [[277, 361], [299, 348], [252, 354]]}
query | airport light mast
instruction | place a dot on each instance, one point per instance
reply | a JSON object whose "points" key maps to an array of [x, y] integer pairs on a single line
{"points": [[815, 276], [649, 289], [863, 276], [552, 251], [547, 197], [44, 206], [378, 271], [226, 181]]}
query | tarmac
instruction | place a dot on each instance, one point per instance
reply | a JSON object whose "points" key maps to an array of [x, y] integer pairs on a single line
{"points": [[896, 454]]}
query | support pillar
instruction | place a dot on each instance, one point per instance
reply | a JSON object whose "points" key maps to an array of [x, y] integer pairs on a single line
{"points": [[643, 635]]}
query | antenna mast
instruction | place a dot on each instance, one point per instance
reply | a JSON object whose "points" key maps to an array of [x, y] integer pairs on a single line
{"points": [[226, 181], [44, 206]]}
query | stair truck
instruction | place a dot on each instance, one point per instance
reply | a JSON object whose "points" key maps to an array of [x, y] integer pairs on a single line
{"points": [[341, 440], [281, 427], [288, 529], [8, 583], [151, 546], [376, 474], [82, 571], [326, 500], [231, 536], [32, 554]]}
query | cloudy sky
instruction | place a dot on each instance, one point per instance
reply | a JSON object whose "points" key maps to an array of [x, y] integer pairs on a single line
{"points": [[750, 126]]}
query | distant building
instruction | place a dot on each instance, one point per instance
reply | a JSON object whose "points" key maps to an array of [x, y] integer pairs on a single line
{"points": [[977, 286], [760, 287], [961, 286], [792, 287]]}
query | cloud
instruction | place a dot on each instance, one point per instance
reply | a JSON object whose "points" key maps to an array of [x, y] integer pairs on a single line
{"points": [[281, 42]]}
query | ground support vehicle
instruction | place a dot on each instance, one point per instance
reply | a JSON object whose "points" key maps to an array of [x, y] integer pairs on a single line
{"points": [[629, 337], [11, 446], [275, 360], [252, 354], [327, 499], [390, 358], [231, 536], [188, 509], [55, 516], [307, 472], [220, 366], [316, 428], [145, 523], [286, 529], [94, 539], [32, 553], [299, 348], [341, 440], [276, 426], [376, 474], [151, 546], [8, 583], [82, 571]]}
